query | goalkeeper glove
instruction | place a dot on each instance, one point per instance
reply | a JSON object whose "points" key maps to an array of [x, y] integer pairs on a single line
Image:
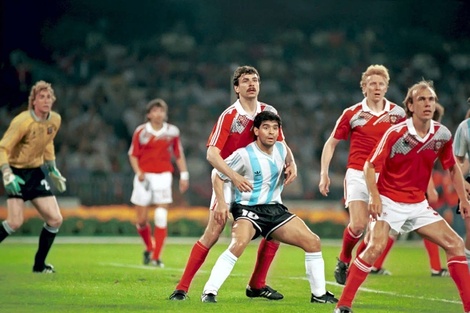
{"points": [[12, 183], [57, 179]]}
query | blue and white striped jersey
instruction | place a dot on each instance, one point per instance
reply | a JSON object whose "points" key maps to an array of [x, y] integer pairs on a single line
{"points": [[265, 172]]}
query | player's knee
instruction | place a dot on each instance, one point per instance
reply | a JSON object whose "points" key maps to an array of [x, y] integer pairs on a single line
{"points": [[376, 248], [55, 221], [161, 217], [358, 227], [455, 246], [12, 225], [312, 244]]}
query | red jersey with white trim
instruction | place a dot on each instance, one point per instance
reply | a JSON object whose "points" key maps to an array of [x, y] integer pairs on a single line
{"points": [[365, 128], [153, 149], [234, 128], [407, 160]]}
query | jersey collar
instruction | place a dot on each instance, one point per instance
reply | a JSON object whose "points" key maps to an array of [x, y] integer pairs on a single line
{"points": [[412, 130], [241, 110], [366, 108], [156, 133]]}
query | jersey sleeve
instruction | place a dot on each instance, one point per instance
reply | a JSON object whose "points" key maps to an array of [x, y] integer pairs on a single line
{"points": [[235, 162], [461, 140], [446, 157], [12, 136], [220, 131], [135, 149], [343, 127]]}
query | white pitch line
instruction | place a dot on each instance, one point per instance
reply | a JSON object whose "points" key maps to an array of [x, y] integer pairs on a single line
{"points": [[389, 293]]}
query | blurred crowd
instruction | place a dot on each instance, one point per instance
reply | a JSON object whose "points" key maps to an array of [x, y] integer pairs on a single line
{"points": [[310, 77]]}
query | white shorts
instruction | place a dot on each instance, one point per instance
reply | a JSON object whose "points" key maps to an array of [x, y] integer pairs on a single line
{"points": [[155, 189], [406, 217], [355, 187], [228, 192]]}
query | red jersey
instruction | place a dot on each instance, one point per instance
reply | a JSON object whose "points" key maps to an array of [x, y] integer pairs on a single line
{"points": [[154, 149], [366, 128], [407, 160], [234, 128]]}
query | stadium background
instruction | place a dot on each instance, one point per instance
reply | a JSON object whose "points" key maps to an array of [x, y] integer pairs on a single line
{"points": [[106, 59]]}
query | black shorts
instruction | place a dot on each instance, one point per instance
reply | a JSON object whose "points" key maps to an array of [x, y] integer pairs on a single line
{"points": [[35, 185], [265, 218]]}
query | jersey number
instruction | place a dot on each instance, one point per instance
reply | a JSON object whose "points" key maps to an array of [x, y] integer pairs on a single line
{"points": [[250, 214], [45, 184]]}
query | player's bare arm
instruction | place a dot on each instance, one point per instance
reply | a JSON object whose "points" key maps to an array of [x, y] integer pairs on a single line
{"points": [[184, 174], [214, 158], [291, 167], [221, 211], [459, 186], [135, 167], [375, 204], [326, 156]]}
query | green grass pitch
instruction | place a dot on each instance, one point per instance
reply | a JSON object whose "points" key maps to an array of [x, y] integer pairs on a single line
{"points": [[106, 275]]}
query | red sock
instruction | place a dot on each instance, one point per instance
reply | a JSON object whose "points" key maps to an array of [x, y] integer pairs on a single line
{"points": [[433, 253], [458, 269], [266, 252], [144, 232], [380, 261], [362, 246], [357, 275], [196, 259], [159, 235], [349, 241]]}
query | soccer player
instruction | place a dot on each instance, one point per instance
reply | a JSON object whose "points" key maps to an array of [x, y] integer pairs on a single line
{"points": [[25, 147], [261, 212], [150, 156], [233, 130], [364, 123], [461, 151], [406, 154]]}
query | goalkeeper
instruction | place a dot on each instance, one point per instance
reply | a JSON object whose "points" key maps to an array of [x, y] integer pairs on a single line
{"points": [[25, 147]]}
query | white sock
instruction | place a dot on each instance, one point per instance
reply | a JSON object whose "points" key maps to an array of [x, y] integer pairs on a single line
{"points": [[222, 268], [315, 266], [467, 255]]}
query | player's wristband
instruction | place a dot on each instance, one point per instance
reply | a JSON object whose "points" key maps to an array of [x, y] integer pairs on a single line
{"points": [[184, 175]]}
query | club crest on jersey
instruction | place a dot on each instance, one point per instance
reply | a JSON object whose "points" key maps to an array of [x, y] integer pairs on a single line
{"points": [[50, 129], [393, 119], [239, 124], [438, 145]]}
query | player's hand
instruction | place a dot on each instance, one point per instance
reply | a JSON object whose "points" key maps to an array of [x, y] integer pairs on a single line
{"points": [[241, 183], [375, 206], [221, 213], [12, 183], [57, 179], [184, 185], [324, 185], [290, 172], [464, 207]]}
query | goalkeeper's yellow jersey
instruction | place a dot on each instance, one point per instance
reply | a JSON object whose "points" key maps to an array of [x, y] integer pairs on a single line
{"points": [[28, 141]]}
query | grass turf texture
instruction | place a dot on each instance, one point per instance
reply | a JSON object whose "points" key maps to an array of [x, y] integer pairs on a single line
{"points": [[109, 277]]}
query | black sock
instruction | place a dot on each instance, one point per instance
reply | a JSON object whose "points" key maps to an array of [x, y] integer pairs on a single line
{"points": [[3, 233], [45, 242]]}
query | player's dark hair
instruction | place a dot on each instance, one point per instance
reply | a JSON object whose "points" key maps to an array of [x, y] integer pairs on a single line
{"points": [[266, 116], [242, 70]]}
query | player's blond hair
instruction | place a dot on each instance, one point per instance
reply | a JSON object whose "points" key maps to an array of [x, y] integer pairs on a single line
{"points": [[37, 88], [376, 69], [156, 103], [424, 84]]}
